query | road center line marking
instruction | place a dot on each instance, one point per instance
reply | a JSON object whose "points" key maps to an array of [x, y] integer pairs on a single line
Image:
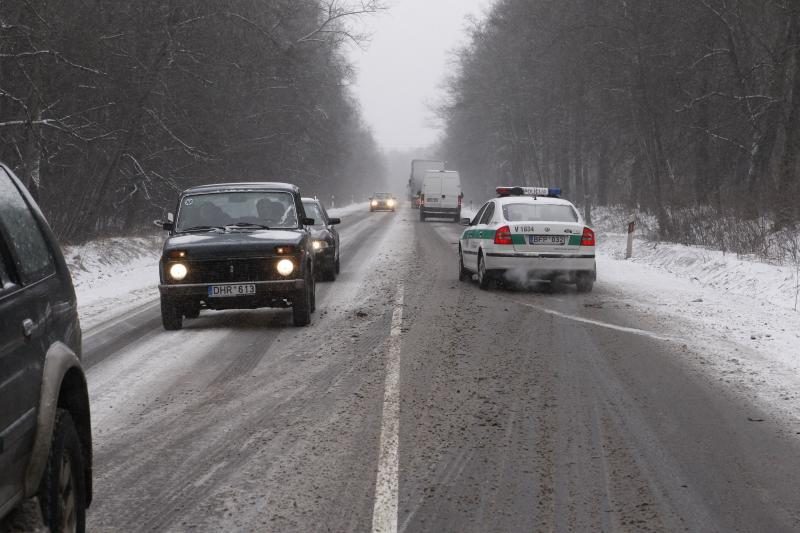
{"points": [[384, 512], [607, 325]]}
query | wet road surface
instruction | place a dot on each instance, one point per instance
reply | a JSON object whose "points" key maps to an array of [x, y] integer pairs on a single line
{"points": [[415, 402]]}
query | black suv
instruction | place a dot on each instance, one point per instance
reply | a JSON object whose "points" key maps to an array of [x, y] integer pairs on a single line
{"points": [[45, 434], [237, 246]]}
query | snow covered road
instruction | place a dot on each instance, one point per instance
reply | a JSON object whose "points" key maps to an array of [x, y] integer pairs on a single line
{"points": [[518, 410]]}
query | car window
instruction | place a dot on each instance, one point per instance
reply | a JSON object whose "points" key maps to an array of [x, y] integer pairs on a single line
{"points": [[29, 247], [477, 218], [313, 211], [543, 212], [488, 214], [274, 209]]}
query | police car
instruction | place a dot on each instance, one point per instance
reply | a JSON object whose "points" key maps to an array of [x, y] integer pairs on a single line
{"points": [[528, 233]]}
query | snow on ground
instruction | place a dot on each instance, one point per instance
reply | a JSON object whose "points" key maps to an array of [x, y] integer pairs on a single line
{"points": [[339, 212], [736, 314], [112, 276]]}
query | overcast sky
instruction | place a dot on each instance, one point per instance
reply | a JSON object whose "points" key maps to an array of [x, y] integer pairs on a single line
{"points": [[400, 74]]}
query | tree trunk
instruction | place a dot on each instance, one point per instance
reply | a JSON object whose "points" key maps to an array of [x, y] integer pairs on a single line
{"points": [[787, 183]]}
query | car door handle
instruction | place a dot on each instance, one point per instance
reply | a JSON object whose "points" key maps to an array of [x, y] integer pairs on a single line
{"points": [[28, 327]]}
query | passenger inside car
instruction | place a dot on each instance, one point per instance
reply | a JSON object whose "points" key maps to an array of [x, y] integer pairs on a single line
{"points": [[270, 211]]}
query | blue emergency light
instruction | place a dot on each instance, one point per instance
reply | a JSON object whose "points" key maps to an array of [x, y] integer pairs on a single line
{"points": [[548, 192]]}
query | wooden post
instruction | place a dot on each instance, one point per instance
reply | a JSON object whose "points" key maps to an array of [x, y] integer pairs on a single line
{"points": [[631, 229]]}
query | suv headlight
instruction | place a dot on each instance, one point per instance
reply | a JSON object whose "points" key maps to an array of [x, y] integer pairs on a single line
{"points": [[178, 271], [390, 203], [285, 267], [319, 245], [374, 203]]}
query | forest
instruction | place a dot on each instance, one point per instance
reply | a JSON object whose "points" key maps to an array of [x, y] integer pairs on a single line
{"points": [[108, 109], [688, 110]]}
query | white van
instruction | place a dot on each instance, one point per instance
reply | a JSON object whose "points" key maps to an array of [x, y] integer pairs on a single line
{"points": [[441, 195]]}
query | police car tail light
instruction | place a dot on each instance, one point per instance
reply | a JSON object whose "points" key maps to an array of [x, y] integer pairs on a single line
{"points": [[587, 239], [503, 235]]}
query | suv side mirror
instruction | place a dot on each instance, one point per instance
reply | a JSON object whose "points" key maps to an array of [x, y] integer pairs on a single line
{"points": [[308, 221], [334, 221], [165, 225], [466, 222]]}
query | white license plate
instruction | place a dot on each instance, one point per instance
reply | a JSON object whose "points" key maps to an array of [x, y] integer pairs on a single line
{"points": [[432, 200], [227, 291], [555, 240]]}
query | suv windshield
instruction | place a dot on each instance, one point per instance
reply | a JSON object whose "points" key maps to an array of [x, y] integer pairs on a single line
{"points": [[313, 211], [382, 195], [272, 209], [543, 212]]}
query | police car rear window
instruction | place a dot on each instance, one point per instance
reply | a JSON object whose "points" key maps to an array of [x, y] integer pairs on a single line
{"points": [[542, 212]]}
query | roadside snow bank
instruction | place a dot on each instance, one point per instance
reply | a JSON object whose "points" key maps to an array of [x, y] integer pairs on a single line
{"points": [[773, 283], [737, 314], [339, 212], [112, 276]]}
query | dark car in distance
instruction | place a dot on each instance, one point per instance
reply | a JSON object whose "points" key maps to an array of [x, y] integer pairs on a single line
{"points": [[325, 241], [45, 431], [237, 246], [382, 201]]}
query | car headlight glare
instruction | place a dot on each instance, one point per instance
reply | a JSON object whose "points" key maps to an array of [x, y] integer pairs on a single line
{"points": [[285, 267], [390, 203], [319, 245], [178, 271], [374, 203]]}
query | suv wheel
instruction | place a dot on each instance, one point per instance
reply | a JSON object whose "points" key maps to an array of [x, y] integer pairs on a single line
{"points": [[192, 311], [171, 314], [301, 305], [329, 272], [62, 493]]}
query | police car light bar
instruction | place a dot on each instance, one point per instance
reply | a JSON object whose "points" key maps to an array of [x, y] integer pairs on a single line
{"points": [[550, 192]]}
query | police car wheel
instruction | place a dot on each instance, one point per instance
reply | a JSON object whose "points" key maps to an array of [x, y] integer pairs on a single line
{"points": [[484, 278], [463, 273], [171, 315], [584, 282]]}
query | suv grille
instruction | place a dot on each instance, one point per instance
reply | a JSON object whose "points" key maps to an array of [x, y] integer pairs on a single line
{"points": [[232, 271]]}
